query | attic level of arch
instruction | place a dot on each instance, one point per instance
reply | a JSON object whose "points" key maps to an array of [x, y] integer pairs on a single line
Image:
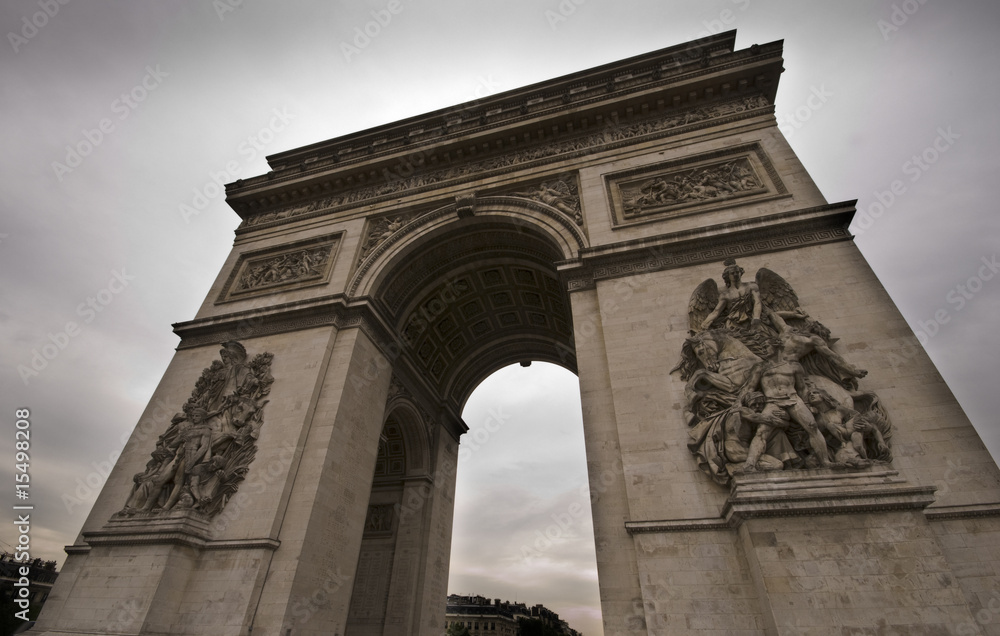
{"points": [[673, 79]]}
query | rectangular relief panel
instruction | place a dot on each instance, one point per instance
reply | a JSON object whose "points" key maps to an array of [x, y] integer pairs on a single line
{"points": [[698, 183], [282, 268]]}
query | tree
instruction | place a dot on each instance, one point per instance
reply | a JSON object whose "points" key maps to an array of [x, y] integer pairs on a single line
{"points": [[455, 630], [535, 627]]}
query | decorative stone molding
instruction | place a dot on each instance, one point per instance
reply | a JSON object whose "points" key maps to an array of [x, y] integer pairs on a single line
{"points": [[786, 230], [465, 205], [282, 268], [821, 492], [647, 75], [178, 527], [614, 135], [798, 493], [695, 184], [331, 310], [676, 525], [970, 511]]}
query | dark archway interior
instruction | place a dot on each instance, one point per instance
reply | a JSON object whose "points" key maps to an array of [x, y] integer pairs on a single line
{"points": [[473, 300]]}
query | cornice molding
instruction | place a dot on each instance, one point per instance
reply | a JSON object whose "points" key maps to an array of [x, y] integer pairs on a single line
{"points": [[616, 135], [668, 67], [803, 493], [772, 233], [970, 511]]}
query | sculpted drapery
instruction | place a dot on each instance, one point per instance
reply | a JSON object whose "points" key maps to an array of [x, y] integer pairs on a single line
{"points": [[765, 390]]}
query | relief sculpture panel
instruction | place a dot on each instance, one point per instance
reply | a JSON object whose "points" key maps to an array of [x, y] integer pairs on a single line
{"points": [[765, 389], [203, 456], [693, 184], [281, 269]]}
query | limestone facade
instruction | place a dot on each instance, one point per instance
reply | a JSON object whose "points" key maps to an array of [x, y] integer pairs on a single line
{"points": [[390, 271]]}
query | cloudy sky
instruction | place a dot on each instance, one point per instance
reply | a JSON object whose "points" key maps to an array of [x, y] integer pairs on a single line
{"points": [[881, 100]]}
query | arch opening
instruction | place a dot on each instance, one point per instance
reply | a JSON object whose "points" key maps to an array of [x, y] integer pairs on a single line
{"points": [[523, 528], [477, 295]]}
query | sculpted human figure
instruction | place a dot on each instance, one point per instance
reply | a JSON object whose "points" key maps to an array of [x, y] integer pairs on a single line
{"points": [[202, 457], [781, 380], [560, 199], [235, 373], [200, 479], [838, 422], [764, 388], [739, 300], [716, 366], [771, 422], [798, 344], [848, 427], [148, 484]]}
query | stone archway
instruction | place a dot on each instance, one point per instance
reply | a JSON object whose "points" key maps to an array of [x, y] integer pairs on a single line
{"points": [[464, 296], [378, 277], [470, 296]]}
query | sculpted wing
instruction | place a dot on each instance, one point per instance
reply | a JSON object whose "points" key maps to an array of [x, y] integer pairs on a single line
{"points": [[561, 187], [703, 301], [775, 291]]}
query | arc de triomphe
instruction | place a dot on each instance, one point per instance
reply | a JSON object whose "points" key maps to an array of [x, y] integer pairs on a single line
{"points": [[768, 446]]}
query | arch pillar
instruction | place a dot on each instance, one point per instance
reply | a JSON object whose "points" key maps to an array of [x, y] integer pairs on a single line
{"points": [[618, 578]]}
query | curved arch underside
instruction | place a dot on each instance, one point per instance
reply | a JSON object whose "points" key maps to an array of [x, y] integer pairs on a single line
{"points": [[475, 298]]}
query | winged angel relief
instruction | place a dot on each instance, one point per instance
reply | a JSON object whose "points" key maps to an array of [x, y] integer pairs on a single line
{"points": [[765, 389], [202, 457]]}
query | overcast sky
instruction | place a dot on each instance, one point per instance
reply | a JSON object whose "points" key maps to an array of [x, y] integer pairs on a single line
{"points": [[184, 86]]}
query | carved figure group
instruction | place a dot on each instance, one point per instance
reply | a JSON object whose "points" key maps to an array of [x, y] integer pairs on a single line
{"points": [[285, 268], [558, 194], [765, 389], [381, 229], [693, 185], [203, 455]]}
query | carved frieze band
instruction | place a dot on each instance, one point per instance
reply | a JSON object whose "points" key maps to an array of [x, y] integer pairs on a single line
{"points": [[693, 185], [609, 137], [642, 260], [282, 268]]}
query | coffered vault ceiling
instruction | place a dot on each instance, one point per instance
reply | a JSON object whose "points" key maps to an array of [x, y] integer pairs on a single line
{"points": [[469, 303]]}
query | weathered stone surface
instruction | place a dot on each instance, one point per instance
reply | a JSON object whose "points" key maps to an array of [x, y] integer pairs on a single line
{"points": [[439, 275]]}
